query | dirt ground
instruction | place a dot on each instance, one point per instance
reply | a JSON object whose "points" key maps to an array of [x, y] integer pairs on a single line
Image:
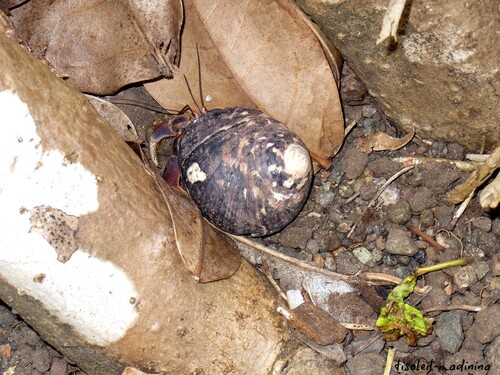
{"points": [[466, 335]]}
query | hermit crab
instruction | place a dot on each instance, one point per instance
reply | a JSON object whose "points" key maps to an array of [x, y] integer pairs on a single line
{"points": [[247, 173]]}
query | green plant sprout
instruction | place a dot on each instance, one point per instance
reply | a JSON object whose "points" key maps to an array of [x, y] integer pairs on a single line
{"points": [[398, 318]]}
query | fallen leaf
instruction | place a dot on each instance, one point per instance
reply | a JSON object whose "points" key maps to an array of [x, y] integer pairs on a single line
{"points": [[490, 196], [276, 59], [207, 255], [101, 46], [382, 141], [116, 118], [476, 178]]}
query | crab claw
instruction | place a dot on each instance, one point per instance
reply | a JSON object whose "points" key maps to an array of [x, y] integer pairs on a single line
{"points": [[172, 172]]}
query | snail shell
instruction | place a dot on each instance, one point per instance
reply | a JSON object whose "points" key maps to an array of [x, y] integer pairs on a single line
{"points": [[246, 172]]}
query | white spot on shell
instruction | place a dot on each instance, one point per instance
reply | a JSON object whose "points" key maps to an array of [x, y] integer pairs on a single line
{"points": [[195, 174], [280, 196], [288, 183], [297, 161]]}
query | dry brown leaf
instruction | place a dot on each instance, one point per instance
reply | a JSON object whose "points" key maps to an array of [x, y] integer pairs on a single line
{"points": [[101, 46], [217, 80], [382, 141], [277, 60], [116, 118], [490, 196], [476, 178]]}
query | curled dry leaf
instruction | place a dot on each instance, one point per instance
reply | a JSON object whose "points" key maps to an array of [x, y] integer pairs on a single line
{"points": [[382, 141], [277, 60], [116, 118], [476, 178], [207, 255], [101, 46], [490, 196]]}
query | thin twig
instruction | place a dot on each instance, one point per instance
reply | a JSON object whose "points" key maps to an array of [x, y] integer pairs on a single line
{"points": [[269, 276], [350, 127], [393, 280], [455, 307], [390, 359], [381, 190], [426, 237], [467, 166], [462, 208], [369, 277]]}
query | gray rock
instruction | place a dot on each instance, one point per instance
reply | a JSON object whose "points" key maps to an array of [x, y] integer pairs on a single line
{"points": [[324, 198], [399, 212], [481, 268], [483, 223], [295, 237], [456, 151], [422, 199], [495, 226], [486, 327], [438, 149], [448, 329], [492, 356], [367, 364], [312, 246], [363, 254], [307, 361], [354, 163], [368, 110], [348, 264], [465, 277], [41, 360], [399, 243], [427, 218]]}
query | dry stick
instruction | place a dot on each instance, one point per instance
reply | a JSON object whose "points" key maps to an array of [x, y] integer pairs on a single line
{"points": [[370, 278], [462, 209], [381, 190], [456, 307], [426, 237], [468, 166], [390, 359]]}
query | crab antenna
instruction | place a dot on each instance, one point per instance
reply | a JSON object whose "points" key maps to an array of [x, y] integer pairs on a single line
{"points": [[203, 108], [191, 94]]}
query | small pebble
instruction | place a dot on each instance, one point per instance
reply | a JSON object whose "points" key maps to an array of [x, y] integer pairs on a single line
{"points": [[404, 260], [345, 191], [318, 260], [427, 218], [482, 223], [496, 226], [481, 268], [354, 163], [438, 149], [420, 256], [390, 260], [398, 243], [448, 329], [399, 212], [363, 254], [330, 263], [305, 256], [324, 198], [41, 360], [312, 246], [422, 199], [465, 277], [368, 110], [455, 151]]}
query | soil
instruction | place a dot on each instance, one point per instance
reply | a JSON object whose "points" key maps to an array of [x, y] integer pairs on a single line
{"points": [[466, 334]]}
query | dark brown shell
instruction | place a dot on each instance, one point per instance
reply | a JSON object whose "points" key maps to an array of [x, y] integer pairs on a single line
{"points": [[247, 172]]}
